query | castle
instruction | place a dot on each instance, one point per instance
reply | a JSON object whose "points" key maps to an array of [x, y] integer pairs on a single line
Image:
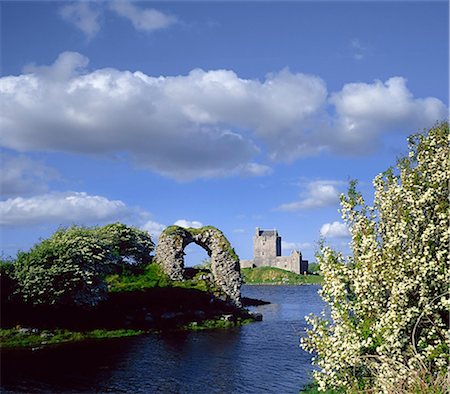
{"points": [[267, 252]]}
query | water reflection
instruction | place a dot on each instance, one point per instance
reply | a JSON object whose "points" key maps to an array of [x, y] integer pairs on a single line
{"points": [[258, 358]]}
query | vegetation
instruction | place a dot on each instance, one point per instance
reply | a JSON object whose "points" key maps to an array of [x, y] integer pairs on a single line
{"points": [[70, 267], [137, 279], [23, 337], [86, 283], [275, 276], [314, 389], [389, 302], [216, 324]]}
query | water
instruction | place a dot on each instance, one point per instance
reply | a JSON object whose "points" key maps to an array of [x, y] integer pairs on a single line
{"points": [[262, 357]]}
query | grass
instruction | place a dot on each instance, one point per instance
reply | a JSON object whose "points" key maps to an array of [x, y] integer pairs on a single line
{"points": [[272, 275], [22, 337], [313, 388], [149, 277], [135, 294], [216, 324]]}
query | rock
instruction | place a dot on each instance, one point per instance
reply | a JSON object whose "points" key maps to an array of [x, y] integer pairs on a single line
{"points": [[199, 314], [168, 316], [224, 261], [256, 316], [227, 317], [148, 318]]}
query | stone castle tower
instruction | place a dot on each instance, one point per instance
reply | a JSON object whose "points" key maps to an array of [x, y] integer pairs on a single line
{"points": [[267, 253]]}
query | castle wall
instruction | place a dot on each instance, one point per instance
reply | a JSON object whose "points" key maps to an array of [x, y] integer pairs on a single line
{"points": [[288, 263], [266, 244], [267, 253]]}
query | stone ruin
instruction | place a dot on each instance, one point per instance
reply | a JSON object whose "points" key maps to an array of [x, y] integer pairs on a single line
{"points": [[224, 261]]}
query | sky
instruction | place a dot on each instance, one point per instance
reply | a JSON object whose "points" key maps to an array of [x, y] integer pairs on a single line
{"points": [[238, 114]]}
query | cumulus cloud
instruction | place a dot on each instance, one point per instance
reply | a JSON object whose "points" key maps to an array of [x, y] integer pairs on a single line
{"points": [[204, 124], [316, 194], [148, 19], [334, 230], [364, 111], [23, 176], [60, 208], [83, 15], [153, 228], [188, 223]]}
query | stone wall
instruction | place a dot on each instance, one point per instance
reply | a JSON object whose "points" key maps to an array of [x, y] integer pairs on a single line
{"points": [[267, 253], [224, 261]]}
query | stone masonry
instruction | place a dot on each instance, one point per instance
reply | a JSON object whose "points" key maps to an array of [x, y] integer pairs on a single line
{"points": [[267, 252], [224, 261]]}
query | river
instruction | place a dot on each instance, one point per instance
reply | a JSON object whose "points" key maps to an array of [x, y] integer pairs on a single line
{"points": [[262, 357]]}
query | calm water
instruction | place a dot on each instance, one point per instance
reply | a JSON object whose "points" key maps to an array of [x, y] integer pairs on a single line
{"points": [[263, 357]]}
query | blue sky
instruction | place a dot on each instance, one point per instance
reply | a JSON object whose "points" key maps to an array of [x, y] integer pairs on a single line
{"points": [[232, 114]]}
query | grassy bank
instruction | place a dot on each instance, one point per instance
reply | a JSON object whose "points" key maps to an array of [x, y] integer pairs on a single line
{"points": [[140, 300], [272, 275], [26, 337]]}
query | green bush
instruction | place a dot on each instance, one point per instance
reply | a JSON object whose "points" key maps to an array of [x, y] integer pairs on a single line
{"points": [[128, 245], [70, 267], [8, 282], [66, 269], [388, 329]]}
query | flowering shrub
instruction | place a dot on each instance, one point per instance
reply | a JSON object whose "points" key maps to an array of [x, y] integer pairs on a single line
{"points": [[128, 244], [389, 302], [69, 268]]}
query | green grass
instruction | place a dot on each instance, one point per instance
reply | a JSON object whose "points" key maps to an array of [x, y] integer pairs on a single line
{"points": [[216, 324], [312, 388], [16, 337], [272, 275], [150, 276]]}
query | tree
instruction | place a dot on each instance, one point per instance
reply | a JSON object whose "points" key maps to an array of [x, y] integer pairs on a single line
{"points": [[70, 267], [389, 302], [128, 244]]}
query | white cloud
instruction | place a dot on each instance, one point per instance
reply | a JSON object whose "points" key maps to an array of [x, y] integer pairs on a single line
{"points": [[295, 245], [239, 230], [365, 111], [316, 194], [24, 176], [61, 208], [188, 224], [204, 124], [147, 20], [67, 208], [83, 15], [334, 230], [359, 49], [153, 228], [254, 169]]}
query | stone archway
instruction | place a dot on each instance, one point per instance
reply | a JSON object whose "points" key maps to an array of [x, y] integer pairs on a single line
{"points": [[224, 261]]}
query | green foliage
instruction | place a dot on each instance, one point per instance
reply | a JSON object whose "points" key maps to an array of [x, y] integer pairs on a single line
{"points": [[389, 302], [66, 269], [273, 275], [127, 244], [8, 281], [19, 337], [211, 324], [313, 268], [70, 267], [148, 277]]}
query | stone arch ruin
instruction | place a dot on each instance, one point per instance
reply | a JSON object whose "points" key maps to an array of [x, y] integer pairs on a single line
{"points": [[224, 261]]}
